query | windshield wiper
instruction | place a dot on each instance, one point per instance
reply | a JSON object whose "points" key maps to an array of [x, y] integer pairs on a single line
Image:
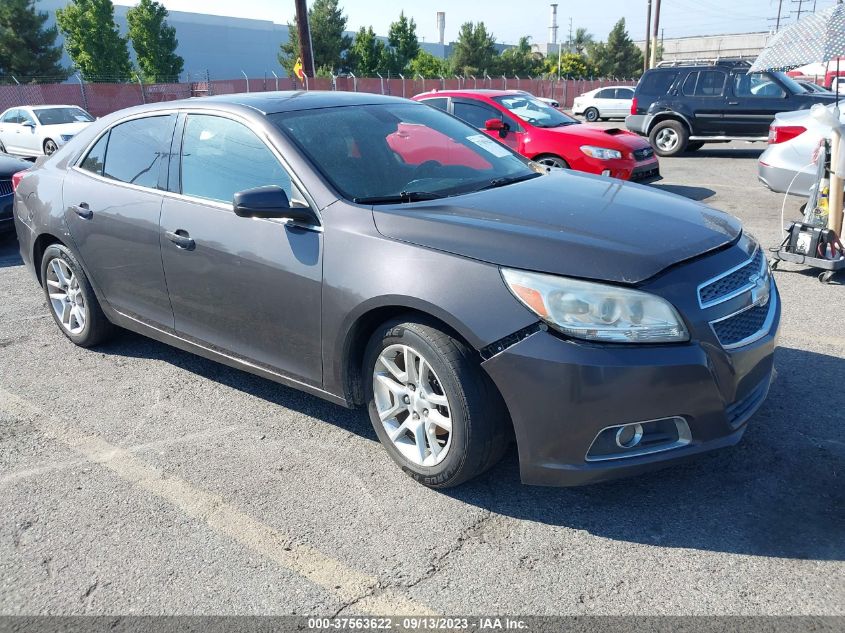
{"points": [[508, 180], [405, 196]]}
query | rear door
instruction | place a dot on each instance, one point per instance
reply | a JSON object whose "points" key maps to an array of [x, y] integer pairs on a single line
{"points": [[754, 101], [113, 202], [476, 113], [705, 92]]}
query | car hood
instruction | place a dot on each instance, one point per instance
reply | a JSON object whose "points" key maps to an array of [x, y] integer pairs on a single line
{"points": [[568, 224], [611, 138], [9, 166], [65, 128]]}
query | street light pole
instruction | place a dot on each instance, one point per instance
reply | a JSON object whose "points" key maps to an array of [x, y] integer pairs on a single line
{"points": [[655, 33]]}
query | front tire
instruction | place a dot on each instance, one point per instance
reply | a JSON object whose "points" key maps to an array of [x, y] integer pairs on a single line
{"points": [[669, 138], [50, 147], [591, 114], [550, 160], [71, 299], [436, 413]]}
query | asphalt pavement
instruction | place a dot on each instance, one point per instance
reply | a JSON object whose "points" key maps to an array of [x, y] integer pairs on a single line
{"points": [[139, 479]]}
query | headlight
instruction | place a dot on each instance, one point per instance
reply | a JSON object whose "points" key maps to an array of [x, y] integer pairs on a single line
{"points": [[597, 312], [66, 137], [601, 153]]}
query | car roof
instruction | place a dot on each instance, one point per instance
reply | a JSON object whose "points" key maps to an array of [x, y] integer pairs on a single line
{"points": [[48, 107], [485, 92], [290, 100]]}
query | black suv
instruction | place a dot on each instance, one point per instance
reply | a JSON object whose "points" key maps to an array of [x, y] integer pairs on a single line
{"points": [[680, 105]]}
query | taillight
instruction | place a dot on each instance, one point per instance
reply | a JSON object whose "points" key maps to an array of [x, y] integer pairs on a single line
{"points": [[16, 179], [634, 105], [783, 133]]}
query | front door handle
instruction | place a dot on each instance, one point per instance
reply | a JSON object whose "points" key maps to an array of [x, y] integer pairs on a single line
{"points": [[181, 239], [733, 102], [83, 211]]}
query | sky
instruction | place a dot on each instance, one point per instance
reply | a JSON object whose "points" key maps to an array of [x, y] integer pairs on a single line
{"points": [[510, 19]]}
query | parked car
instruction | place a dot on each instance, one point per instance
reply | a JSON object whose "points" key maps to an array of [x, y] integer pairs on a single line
{"points": [[787, 163], [682, 105], [8, 168], [36, 130], [608, 328], [548, 101], [811, 87], [547, 135], [604, 103]]}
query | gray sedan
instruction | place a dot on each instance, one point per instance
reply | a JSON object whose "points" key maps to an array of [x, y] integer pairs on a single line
{"points": [[380, 253]]}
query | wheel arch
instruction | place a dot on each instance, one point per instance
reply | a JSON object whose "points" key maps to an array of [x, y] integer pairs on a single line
{"points": [[669, 116], [39, 246]]}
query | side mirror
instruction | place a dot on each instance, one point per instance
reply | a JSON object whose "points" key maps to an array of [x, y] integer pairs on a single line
{"points": [[494, 125], [270, 202], [28, 124]]}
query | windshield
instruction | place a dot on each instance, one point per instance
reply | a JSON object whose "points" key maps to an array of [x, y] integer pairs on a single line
{"points": [[399, 152], [59, 116], [793, 86], [534, 111]]}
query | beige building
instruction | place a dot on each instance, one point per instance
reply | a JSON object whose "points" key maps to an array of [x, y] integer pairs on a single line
{"points": [[711, 46]]}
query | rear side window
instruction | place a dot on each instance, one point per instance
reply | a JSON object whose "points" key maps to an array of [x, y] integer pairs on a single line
{"points": [[607, 93], [137, 149], [96, 159], [656, 84], [440, 103], [221, 157], [11, 117], [705, 83]]}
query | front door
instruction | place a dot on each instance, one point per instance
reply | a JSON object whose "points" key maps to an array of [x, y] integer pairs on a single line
{"points": [[247, 287], [477, 113], [30, 139], [113, 202], [755, 101]]}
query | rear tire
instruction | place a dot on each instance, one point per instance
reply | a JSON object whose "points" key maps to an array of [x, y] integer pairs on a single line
{"points": [[437, 414], [669, 138], [71, 298], [591, 114]]}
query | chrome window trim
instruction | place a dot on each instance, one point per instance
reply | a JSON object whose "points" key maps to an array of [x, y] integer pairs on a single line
{"points": [[772, 300], [727, 273], [263, 137]]}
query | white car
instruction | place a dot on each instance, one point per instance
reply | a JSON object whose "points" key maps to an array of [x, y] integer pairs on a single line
{"points": [[604, 103], [34, 130]]}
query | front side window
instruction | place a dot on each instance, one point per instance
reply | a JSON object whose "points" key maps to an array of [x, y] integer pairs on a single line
{"points": [[383, 153], [624, 93], [756, 85], [137, 150], [535, 111], [24, 117], [476, 114], [221, 157]]}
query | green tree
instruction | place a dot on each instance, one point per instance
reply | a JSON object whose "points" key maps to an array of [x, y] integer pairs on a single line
{"points": [[328, 42], [581, 41], [366, 55], [93, 41], [27, 49], [520, 60], [475, 51], [403, 44], [571, 65], [154, 41], [619, 57], [429, 65]]}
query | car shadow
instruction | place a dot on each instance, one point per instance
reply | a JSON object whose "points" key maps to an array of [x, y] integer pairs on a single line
{"points": [[714, 151], [778, 493], [693, 193], [9, 253]]}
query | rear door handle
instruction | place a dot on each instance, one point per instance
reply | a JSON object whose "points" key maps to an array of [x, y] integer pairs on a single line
{"points": [[181, 239], [83, 211], [733, 102]]}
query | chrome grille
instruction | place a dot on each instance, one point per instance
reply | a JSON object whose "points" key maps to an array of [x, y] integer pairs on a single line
{"points": [[6, 188], [732, 283], [742, 326]]}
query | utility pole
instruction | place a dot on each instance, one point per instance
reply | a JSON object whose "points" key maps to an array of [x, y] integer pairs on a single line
{"points": [[655, 33], [647, 56], [800, 4], [306, 51], [780, 7], [569, 48]]}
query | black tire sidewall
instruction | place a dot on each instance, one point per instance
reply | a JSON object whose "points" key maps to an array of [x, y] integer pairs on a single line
{"points": [[96, 326], [452, 469], [680, 130]]}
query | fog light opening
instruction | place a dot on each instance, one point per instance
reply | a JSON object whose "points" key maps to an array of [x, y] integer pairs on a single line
{"points": [[606, 172], [629, 436]]}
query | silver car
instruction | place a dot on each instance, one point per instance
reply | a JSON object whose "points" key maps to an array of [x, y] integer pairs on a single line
{"points": [[787, 165]]}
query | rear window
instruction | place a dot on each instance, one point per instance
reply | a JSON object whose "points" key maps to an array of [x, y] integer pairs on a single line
{"points": [[656, 83]]}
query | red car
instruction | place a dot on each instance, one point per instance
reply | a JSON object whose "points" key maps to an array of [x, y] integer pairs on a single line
{"points": [[549, 136]]}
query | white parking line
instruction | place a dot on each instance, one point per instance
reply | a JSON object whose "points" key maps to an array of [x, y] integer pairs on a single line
{"points": [[347, 584]]}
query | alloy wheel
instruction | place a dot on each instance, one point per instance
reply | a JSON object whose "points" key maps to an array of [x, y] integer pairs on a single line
{"points": [[666, 139], [50, 146], [552, 161], [412, 405], [66, 296]]}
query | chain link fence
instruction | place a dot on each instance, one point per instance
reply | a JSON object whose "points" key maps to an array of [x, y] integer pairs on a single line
{"points": [[103, 97]]}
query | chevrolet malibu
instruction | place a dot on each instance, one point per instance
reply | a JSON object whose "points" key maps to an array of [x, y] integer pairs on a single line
{"points": [[379, 253]]}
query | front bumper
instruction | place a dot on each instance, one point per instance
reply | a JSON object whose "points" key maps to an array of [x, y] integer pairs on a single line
{"points": [[562, 393]]}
